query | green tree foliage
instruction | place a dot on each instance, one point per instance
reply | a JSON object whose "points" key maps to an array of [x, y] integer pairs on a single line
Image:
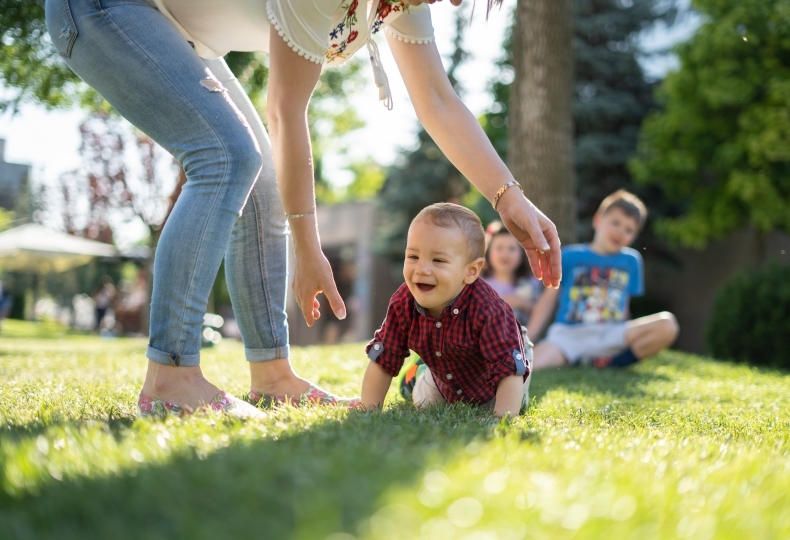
{"points": [[751, 318], [29, 69], [612, 98], [368, 179], [721, 143]]}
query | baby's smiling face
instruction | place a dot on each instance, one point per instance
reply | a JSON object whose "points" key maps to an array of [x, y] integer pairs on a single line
{"points": [[437, 265]]}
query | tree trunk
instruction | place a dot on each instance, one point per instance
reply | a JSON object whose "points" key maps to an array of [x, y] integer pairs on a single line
{"points": [[540, 152]]}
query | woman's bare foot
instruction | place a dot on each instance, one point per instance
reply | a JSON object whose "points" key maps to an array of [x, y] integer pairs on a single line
{"points": [[182, 386], [276, 378]]}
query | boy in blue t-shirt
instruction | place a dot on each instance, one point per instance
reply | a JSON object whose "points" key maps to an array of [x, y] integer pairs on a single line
{"points": [[592, 323]]}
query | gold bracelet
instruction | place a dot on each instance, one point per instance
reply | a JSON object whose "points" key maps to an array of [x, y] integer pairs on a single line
{"points": [[503, 189], [297, 216]]}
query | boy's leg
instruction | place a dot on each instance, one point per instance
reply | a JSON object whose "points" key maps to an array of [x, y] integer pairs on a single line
{"points": [[547, 355], [647, 336], [643, 338], [425, 391]]}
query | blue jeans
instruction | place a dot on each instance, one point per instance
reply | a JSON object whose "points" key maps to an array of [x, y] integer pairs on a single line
{"points": [[230, 206]]}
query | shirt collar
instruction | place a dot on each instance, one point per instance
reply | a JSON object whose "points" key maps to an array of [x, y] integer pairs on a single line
{"points": [[454, 308]]}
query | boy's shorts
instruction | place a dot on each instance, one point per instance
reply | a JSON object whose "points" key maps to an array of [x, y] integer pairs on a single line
{"points": [[577, 341]]}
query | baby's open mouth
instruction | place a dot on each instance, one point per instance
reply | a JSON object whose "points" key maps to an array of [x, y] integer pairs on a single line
{"points": [[424, 287]]}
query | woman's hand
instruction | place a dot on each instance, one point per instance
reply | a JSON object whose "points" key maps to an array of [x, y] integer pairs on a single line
{"points": [[536, 234], [313, 275]]}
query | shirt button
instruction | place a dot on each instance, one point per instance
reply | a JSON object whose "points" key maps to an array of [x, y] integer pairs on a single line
{"points": [[459, 391], [438, 353], [455, 311], [449, 375], [377, 347], [438, 325]]}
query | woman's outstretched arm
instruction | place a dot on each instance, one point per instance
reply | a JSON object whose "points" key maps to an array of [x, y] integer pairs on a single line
{"points": [[292, 79], [459, 135]]}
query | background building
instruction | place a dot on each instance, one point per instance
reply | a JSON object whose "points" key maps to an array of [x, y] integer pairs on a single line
{"points": [[364, 279], [13, 180]]}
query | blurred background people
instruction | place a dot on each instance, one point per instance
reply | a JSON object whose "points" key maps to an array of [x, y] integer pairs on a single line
{"points": [[103, 296], [507, 271]]}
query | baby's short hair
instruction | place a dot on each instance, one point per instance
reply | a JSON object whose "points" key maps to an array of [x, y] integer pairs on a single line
{"points": [[449, 215], [629, 203]]}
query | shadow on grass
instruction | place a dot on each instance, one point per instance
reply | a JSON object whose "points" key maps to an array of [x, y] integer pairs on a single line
{"points": [[15, 433], [306, 485], [626, 383]]}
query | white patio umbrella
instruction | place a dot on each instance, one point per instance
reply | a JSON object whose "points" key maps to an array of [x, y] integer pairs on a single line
{"points": [[36, 249]]}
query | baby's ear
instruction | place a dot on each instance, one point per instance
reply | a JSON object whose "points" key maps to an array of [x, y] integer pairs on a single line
{"points": [[473, 270]]}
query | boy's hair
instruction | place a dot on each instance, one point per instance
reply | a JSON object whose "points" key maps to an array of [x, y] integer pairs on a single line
{"points": [[628, 203], [448, 215]]}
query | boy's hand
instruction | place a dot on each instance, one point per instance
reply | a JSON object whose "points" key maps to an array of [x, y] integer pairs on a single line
{"points": [[536, 233]]}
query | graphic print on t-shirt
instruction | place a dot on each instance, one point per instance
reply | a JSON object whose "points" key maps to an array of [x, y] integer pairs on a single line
{"points": [[597, 295]]}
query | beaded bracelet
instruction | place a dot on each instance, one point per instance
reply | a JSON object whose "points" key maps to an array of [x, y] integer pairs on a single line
{"points": [[297, 216], [503, 189]]}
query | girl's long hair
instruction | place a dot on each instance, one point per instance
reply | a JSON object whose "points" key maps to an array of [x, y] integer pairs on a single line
{"points": [[492, 231]]}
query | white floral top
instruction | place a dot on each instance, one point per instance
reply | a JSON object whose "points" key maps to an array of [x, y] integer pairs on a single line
{"points": [[323, 31]]}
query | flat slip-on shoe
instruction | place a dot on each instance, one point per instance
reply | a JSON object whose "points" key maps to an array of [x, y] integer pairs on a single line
{"points": [[223, 403], [313, 396]]}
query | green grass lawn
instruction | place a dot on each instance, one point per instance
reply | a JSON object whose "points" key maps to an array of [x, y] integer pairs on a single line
{"points": [[680, 447]]}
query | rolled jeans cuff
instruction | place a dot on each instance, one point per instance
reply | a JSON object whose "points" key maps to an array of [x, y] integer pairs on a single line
{"points": [[266, 355], [172, 359]]}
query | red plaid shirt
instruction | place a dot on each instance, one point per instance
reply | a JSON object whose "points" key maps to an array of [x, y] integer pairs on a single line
{"points": [[474, 344]]}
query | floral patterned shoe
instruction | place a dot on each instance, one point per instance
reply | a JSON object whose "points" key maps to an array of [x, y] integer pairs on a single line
{"points": [[313, 396], [222, 403]]}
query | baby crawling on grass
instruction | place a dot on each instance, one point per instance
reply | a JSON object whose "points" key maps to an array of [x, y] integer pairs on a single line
{"points": [[466, 335]]}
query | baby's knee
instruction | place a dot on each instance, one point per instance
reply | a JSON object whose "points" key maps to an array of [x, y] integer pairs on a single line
{"points": [[669, 326]]}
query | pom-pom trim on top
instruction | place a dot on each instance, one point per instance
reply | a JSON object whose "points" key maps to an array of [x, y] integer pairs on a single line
{"points": [[401, 37], [296, 48]]}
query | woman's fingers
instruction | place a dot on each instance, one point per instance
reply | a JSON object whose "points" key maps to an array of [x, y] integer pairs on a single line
{"points": [[306, 290], [534, 263], [554, 256], [550, 259], [313, 312], [335, 300], [537, 235], [305, 305]]}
